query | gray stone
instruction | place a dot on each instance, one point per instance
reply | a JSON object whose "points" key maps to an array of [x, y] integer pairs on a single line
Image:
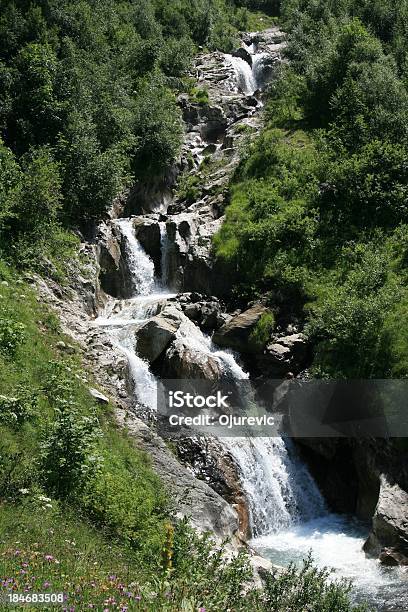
{"points": [[98, 396], [155, 336], [243, 54], [284, 355], [390, 521], [236, 333], [182, 361], [191, 497]]}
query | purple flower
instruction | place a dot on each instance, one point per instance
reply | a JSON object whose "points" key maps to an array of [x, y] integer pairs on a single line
{"points": [[138, 597], [48, 557], [46, 584], [201, 610], [17, 552], [112, 577], [124, 609]]}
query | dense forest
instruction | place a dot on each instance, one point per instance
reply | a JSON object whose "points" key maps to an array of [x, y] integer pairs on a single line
{"points": [[88, 103], [318, 214]]}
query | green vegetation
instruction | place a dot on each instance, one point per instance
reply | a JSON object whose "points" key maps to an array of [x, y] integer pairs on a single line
{"points": [[81, 510], [262, 330], [318, 218], [88, 102]]}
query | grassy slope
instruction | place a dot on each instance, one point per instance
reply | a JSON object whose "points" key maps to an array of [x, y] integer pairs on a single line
{"points": [[126, 502]]}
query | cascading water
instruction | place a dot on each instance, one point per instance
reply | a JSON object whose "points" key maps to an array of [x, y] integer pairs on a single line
{"points": [[279, 489], [140, 265], [287, 512], [244, 76]]}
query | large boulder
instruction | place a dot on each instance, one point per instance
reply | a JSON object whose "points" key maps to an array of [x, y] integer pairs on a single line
{"points": [[183, 361], [154, 337], [283, 355], [236, 334], [390, 522], [243, 54]]}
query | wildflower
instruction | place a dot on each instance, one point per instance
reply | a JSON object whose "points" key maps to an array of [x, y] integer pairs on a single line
{"points": [[46, 584], [113, 577], [24, 565], [17, 552], [24, 491], [201, 610], [48, 557], [138, 598]]}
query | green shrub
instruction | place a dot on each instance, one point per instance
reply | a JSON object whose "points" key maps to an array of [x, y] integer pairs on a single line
{"points": [[12, 334], [188, 188], [14, 411], [262, 331]]}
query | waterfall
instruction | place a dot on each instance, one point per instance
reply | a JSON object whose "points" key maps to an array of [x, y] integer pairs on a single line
{"points": [[165, 250], [258, 68], [244, 76], [288, 516], [140, 265], [278, 487]]}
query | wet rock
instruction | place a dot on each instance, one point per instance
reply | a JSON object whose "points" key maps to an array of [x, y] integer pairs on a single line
{"points": [[114, 275], [205, 509], [183, 361], [390, 521], [211, 462], [236, 333], [147, 231], [243, 54], [153, 338], [391, 557]]}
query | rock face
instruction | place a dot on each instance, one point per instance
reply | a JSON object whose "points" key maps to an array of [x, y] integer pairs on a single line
{"points": [[147, 231], [182, 361], [236, 334], [192, 498], [284, 355], [114, 274], [390, 524], [153, 338], [211, 463]]}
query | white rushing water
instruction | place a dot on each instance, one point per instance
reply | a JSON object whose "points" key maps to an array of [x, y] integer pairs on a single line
{"points": [[278, 487], [246, 81], [288, 514], [140, 265]]}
